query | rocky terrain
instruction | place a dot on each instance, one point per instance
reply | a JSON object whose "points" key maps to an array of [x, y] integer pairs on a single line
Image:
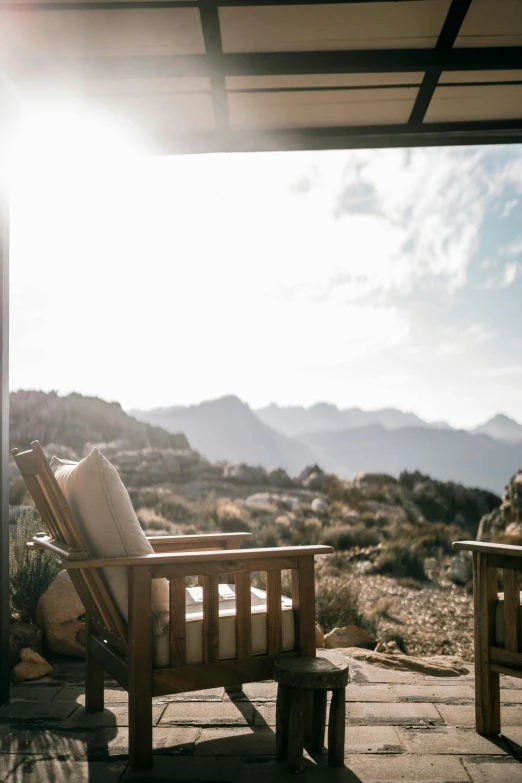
{"points": [[393, 572]]}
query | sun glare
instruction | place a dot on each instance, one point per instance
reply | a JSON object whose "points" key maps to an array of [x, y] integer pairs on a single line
{"points": [[58, 137]]}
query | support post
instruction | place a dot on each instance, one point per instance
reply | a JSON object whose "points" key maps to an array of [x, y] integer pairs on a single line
{"points": [[4, 445]]}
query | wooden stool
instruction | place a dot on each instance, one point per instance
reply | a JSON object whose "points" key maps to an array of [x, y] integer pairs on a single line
{"points": [[303, 683]]}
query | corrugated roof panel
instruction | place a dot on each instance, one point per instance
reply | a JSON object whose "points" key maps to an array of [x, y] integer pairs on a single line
{"points": [[467, 104]]}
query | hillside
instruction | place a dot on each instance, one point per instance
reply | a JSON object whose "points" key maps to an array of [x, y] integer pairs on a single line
{"points": [[227, 429], [453, 455], [75, 420], [296, 420]]}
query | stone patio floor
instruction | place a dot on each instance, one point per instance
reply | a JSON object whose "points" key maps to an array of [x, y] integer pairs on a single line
{"points": [[401, 727]]}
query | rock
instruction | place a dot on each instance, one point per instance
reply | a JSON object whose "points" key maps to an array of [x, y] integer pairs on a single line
{"points": [[279, 478], [434, 666], [246, 474], [509, 513], [31, 667], [262, 500], [460, 569], [349, 636], [319, 636], [313, 478], [319, 505], [60, 613], [23, 635], [380, 647]]}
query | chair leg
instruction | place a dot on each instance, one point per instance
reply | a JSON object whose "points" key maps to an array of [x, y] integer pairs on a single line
{"points": [[318, 721], [296, 731], [282, 717], [336, 728], [487, 684], [94, 674]]}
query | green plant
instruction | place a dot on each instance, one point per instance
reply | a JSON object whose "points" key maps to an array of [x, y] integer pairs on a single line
{"points": [[399, 560], [31, 572], [337, 604]]}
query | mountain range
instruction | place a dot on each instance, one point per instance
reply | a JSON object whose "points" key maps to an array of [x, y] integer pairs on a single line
{"points": [[346, 441]]}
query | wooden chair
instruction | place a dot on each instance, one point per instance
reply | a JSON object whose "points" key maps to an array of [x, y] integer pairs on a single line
{"points": [[492, 659], [125, 651]]}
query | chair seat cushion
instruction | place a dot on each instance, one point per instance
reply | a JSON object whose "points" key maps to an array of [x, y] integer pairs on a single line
{"points": [[499, 621], [227, 625], [103, 512]]}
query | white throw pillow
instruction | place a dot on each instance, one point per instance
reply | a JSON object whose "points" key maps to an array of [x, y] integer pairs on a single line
{"points": [[106, 520]]}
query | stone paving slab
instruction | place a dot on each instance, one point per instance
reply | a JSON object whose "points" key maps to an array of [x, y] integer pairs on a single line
{"points": [[35, 692], [225, 713], [255, 691], [116, 715], [512, 736], [371, 739], [464, 715], [76, 693], [511, 696], [35, 711], [54, 771], [405, 714], [171, 740], [407, 769], [50, 741], [210, 694], [483, 770], [449, 694], [243, 741], [205, 768], [7, 764], [449, 740]]}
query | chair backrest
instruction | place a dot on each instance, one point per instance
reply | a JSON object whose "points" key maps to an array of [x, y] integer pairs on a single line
{"points": [[57, 517]]}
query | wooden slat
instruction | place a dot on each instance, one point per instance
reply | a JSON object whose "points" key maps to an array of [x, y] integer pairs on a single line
{"points": [[274, 621], [303, 602], [487, 687], [226, 673], [210, 619], [507, 562], [112, 662], [177, 625], [264, 558], [140, 669], [66, 552], [243, 616], [501, 657], [511, 610], [206, 541], [488, 549]]}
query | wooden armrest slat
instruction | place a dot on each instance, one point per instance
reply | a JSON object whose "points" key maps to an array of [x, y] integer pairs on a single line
{"points": [[511, 610], [66, 552], [210, 619], [507, 550], [178, 625], [273, 612], [243, 616], [263, 557]]}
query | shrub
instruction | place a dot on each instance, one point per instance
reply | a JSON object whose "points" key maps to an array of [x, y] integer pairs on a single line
{"points": [[337, 604], [400, 561], [346, 536], [31, 572]]}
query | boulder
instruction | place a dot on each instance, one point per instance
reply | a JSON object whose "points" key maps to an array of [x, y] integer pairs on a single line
{"points": [[507, 516], [245, 474], [312, 478], [349, 636], [31, 666], [279, 478], [319, 636], [61, 614], [320, 505], [262, 500], [23, 635], [434, 666], [460, 569]]}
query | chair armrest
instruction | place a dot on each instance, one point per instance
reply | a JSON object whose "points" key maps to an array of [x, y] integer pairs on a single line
{"points": [[506, 550], [203, 540], [223, 557]]}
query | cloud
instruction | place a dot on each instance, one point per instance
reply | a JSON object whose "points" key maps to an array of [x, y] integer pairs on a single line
{"points": [[508, 207]]}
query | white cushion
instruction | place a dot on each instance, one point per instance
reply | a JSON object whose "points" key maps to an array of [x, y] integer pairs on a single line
{"points": [[227, 625], [499, 621], [103, 512]]}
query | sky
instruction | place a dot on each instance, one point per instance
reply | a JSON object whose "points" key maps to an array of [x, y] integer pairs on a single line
{"points": [[363, 278]]}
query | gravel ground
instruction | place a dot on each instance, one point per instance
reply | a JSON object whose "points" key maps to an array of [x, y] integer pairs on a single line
{"points": [[436, 619]]}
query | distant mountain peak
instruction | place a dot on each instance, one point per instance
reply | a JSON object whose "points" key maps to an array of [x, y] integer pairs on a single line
{"points": [[501, 427]]}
